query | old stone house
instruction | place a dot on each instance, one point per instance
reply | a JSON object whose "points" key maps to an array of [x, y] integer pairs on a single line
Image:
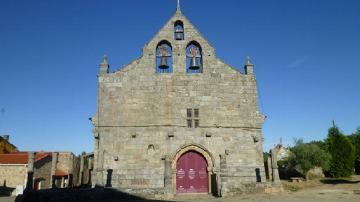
{"points": [[281, 152], [14, 170], [38, 170], [178, 120], [5, 145], [86, 168], [66, 171]]}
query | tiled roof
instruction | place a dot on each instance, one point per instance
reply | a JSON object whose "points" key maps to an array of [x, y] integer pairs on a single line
{"points": [[60, 173], [21, 157]]}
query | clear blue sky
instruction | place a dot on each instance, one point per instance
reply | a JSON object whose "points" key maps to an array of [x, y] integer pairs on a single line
{"points": [[306, 55]]}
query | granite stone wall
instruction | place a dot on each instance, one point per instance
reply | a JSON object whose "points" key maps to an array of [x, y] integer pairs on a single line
{"points": [[13, 175], [141, 119], [42, 172], [69, 163]]}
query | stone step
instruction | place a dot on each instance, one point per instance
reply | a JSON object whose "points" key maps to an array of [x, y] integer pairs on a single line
{"points": [[193, 196]]}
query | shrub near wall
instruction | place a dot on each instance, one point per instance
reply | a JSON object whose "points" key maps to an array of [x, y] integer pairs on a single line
{"points": [[307, 156], [342, 154], [355, 139]]}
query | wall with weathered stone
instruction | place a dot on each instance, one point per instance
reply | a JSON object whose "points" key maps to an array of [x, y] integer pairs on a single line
{"points": [[136, 164], [141, 117], [63, 162], [13, 175], [42, 172], [76, 170], [69, 163], [225, 96]]}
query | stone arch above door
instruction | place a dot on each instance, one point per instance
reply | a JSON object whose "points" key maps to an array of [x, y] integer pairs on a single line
{"points": [[194, 147]]}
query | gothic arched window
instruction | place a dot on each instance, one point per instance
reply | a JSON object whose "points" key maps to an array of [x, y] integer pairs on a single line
{"points": [[178, 30], [194, 58], [164, 58]]}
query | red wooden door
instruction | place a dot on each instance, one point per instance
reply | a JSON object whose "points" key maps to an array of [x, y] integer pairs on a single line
{"points": [[191, 173]]}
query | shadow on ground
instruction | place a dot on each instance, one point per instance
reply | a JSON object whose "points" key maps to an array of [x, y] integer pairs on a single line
{"points": [[80, 195], [338, 181]]}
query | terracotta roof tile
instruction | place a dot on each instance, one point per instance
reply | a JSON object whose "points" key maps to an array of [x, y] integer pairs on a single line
{"points": [[21, 157], [60, 173]]}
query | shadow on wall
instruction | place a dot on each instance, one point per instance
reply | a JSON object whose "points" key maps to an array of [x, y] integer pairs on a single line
{"points": [[257, 172], [6, 191], [79, 195]]}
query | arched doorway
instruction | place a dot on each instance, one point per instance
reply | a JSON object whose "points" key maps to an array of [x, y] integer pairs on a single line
{"points": [[192, 173]]}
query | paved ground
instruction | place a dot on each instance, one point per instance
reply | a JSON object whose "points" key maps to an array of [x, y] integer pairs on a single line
{"points": [[313, 191]]}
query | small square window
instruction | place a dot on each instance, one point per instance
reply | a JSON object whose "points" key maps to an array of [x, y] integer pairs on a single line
{"points": [[188, 111], [189, 123], [196, 123], [196, 113]]}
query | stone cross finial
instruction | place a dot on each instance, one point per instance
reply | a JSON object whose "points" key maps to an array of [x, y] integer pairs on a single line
{"points": [[105, 60], [104, 65], [249, 68], [248, 60], [178, 6]]}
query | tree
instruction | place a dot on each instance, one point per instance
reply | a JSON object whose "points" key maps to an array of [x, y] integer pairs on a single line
{"points": [[342, 154], [266, 156], [321, 144], [355, 139], [305, 157]]}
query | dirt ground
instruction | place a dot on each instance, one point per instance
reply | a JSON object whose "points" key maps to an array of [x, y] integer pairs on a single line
{"points": [[329, 190]]}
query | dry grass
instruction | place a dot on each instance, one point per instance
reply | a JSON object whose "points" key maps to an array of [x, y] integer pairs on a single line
{"points": [[343, 183], [296, 186]]}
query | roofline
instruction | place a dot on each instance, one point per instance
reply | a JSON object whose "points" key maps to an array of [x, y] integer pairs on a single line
{"points": [[43, 152], [12, 164], [88, 154]]}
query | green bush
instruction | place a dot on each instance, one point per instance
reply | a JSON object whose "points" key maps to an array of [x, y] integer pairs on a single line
{"points": [[266, 156], [304, 157], [342, 154], [355, 139]]}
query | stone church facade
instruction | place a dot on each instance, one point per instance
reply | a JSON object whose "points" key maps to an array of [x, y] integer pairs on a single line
{"points": [[178, 120]]}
